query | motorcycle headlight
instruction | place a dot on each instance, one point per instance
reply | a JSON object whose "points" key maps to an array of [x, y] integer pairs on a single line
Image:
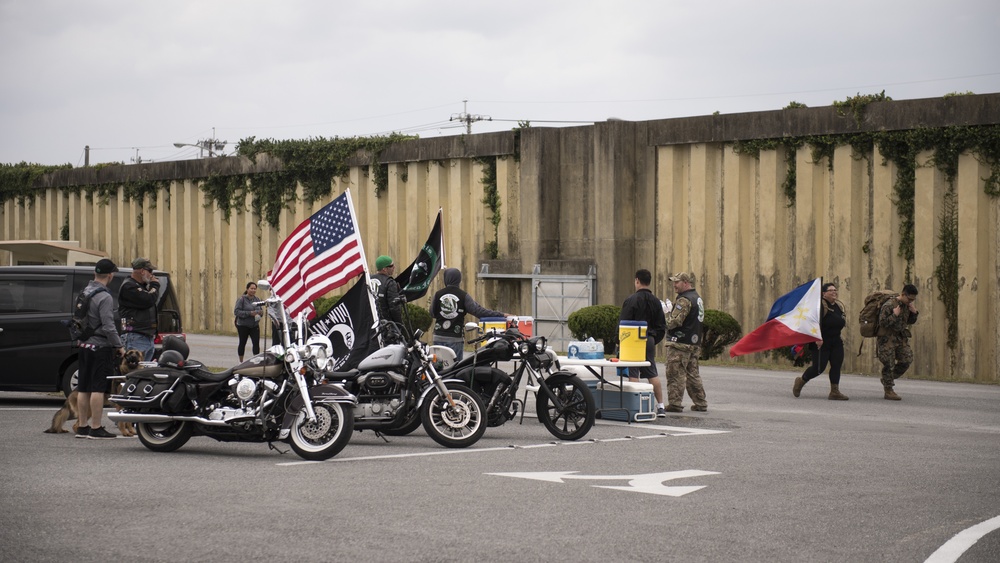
{"points": [[540, 344], [320, 346], [290, 355], [524, 348]]}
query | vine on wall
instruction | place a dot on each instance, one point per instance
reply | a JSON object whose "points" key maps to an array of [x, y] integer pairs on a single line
{"points": [[491, 199], [902, 148]]}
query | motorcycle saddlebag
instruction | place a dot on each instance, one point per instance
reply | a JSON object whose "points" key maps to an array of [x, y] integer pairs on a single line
{"points": [[158, 388], [484, 380]]}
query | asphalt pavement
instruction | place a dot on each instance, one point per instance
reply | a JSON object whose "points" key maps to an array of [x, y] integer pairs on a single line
{"points": [[761, 476]]}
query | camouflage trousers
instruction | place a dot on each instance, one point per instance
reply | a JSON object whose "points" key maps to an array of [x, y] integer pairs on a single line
{"points": [[682, 374], [896, 356]]}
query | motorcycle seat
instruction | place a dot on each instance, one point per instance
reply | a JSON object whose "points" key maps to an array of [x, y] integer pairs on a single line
{"points": [[349, 375], [201, 374]]}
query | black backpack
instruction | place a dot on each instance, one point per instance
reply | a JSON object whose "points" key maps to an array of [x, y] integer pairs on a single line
{"points": [[79, 330]]}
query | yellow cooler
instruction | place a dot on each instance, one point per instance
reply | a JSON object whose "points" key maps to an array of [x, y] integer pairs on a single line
{"points": [[486, 324], [632, 341]]}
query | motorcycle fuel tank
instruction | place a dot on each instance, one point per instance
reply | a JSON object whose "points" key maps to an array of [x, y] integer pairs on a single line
{"points": [[261, 365], [384, 358]]}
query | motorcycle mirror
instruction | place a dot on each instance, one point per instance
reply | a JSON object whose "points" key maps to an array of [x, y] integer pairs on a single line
{"points": [[471, 326], [264, 284]]}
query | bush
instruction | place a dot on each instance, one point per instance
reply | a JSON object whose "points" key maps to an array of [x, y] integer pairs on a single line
{"points": [[718, 331], [599, 322], [419, 317]]}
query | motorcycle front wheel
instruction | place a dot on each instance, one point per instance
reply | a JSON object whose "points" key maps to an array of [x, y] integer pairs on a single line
{"points": [[163, 436], [454, 426], [325, 437], [578, 411]]}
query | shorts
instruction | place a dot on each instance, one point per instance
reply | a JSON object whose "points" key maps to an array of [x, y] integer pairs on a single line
{"points": [[96, 366], [648, 372]]}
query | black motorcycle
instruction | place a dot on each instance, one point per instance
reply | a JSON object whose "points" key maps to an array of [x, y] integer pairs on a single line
{"points": [[272, 397], [563, 402], [398, 389]]}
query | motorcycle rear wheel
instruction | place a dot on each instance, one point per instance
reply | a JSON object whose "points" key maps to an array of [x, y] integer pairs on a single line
{"points": [[454, 427], [577, 415], [327, 436], [163, 436]]}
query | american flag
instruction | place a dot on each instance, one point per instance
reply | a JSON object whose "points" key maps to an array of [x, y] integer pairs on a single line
{"points": [[321, 254]]}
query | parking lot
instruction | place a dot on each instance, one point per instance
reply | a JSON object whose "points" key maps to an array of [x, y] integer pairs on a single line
{"points": [[761, 477]]}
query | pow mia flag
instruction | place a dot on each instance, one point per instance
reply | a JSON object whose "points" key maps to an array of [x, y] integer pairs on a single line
{"points": [[416, 278], [348, 325]]}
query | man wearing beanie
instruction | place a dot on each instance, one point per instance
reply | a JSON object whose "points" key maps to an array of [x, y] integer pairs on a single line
{"points": [[387, 290]]}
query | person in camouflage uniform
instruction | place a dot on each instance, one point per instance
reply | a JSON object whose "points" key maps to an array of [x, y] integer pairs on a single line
{"points": [[684, 346], [892, 344]]}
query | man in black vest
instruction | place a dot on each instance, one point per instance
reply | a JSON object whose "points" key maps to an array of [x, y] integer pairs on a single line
{"points": [[137, 307], [684, 346], [387, 291], [449, 307], [644, 306]]}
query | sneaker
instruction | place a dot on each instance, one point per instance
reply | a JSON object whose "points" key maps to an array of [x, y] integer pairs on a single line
{"points": [[83, 432], [661, 412], [699, 409], [100, 434], [673, 408]]}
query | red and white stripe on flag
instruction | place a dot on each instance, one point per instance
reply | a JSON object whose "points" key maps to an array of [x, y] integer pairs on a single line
{"points": [[320, 255]]}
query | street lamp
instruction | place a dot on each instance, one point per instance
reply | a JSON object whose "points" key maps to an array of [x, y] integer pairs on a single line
{"points": [[202, 146]]}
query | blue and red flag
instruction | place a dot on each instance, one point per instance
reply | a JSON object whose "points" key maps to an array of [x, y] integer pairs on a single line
{"points": [[794, 319]]}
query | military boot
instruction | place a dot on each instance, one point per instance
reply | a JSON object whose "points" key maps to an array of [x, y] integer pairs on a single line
{"points": [[835, 394], [798, 385], [891, 395]]}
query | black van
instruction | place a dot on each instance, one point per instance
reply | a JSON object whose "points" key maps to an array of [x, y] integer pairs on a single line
{"points": [[36, 353]]}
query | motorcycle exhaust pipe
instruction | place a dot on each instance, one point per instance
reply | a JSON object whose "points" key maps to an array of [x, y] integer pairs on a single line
{"points": [[161, 418]]}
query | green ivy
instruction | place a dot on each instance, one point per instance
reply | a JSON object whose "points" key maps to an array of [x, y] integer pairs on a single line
{"points": [[946, 272], [491, 199], [17, 180], [857, 105]]}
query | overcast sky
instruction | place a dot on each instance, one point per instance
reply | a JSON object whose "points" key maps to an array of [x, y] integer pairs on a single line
{"points": [[131, 78]]}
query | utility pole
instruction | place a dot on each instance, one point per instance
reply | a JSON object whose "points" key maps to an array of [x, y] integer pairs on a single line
{"points": [[467, 118]]}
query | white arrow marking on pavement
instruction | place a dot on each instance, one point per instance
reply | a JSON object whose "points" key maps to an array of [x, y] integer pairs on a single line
{"points": [[650, 483]]}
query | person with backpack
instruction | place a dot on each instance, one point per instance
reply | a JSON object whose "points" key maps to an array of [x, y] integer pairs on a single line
{"points": [[893, 342], [830, 350], [99, 353]]}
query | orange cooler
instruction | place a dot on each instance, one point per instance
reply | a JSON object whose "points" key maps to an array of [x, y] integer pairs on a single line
{"points": [[524, 325]]}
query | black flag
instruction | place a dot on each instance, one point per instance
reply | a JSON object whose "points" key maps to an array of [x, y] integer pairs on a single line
{"points": [[415, 279], [348, 325]]}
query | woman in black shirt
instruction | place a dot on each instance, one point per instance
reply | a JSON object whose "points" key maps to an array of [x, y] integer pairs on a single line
{"points": [[831, 348]]}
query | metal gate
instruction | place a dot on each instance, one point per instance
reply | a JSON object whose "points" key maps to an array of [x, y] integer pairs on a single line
{"points": [[553, 298]]}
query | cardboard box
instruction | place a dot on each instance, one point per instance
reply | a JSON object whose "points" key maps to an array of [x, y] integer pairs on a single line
{"points": [[636, 397], [586, 350]]}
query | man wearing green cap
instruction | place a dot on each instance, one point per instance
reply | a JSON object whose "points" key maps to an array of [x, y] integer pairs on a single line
{"points": [[387, 290]]}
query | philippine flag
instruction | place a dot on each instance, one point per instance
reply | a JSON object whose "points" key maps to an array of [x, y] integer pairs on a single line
{"points": [[794, 319]]}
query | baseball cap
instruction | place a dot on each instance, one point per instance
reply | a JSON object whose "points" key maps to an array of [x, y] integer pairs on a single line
{"points": [[682, 277], [382, 262], [142, 264], [105, 266]]}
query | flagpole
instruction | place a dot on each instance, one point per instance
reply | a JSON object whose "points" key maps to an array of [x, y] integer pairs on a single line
{"points": [[441, 221], [364, 259]]}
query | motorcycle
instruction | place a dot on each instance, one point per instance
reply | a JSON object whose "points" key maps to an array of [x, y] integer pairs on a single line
{"points": [[275, 396], [563, 402], [398, 389]]}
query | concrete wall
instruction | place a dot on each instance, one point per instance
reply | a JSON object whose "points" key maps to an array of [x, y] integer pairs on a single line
{"points": [[665, 195]]}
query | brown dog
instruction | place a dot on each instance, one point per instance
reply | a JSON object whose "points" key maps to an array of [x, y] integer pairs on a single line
{"points": [[130, 362]]}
